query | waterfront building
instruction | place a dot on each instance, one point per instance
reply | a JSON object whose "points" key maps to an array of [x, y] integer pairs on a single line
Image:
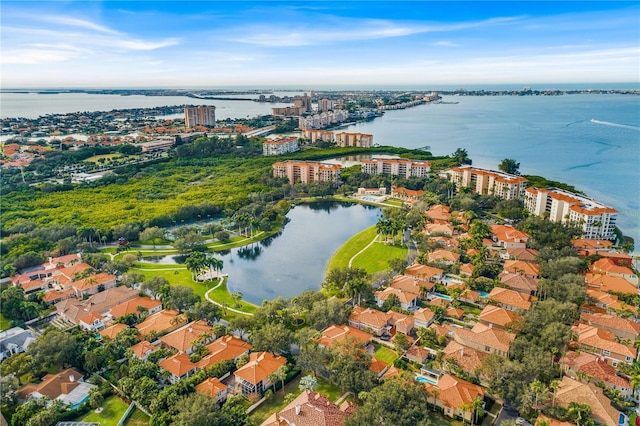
{"points": [[325, 105], [288, 111], [318, 135], [324, 119], [280, 145], [596, 219], [202, 115], [362, 140], [307, 171], [488, 182], [396, 167]]}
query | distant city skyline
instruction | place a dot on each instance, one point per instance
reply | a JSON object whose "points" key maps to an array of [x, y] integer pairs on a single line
{"points": [[313, 44]]}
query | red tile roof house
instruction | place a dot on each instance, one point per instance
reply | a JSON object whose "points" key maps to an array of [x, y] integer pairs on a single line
{"points": [[101, 303], [509, 237], [67, 386], [584, 393], [528, 269], [519, 283], [603, 343], [311, 409], [136, 306], [524, 254], [401, 323], [424, 272], [468, 359], [226, 348], [453, 394], [338, 333], [371, 320], [485, 338], [213, 388], [417, 354], [620, 327], [607, 303], [253, 377], [93, 284], [164, 321], [412, 284], [497, 317], [186, 337], [609, 267], [443, 256], [408, 300], [509, 299], [179, 367], [91, 321], [595, 370], [423, 317], [142, 350], [609, 283]]}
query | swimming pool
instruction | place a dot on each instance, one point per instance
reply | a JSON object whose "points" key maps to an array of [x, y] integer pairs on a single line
{"points": [[442, 296], [483, 293], [425, 379]]}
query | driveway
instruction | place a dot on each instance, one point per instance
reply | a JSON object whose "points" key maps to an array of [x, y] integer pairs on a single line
{"points": [[508, 412]]}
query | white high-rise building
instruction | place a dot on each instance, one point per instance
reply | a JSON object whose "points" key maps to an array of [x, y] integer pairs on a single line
{"points": [[202, 115]]}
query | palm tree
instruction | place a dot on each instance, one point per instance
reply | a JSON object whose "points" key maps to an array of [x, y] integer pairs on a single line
{"points": [[281, 374], [478, 408], [195, 262], [467, 408], [237, 297]]}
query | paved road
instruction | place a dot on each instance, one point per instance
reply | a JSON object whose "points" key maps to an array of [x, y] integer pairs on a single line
{"points": [[508, 412]]}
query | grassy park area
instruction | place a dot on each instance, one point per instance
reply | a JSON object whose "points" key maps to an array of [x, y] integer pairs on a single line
{"points": [[5, 323]]}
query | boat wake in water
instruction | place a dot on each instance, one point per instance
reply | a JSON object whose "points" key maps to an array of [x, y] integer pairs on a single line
{"points": [[608, 123]]}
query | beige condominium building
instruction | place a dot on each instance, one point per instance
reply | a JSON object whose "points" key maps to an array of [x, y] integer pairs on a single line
{"points": [[307, 171], [201, 115], [489, 182], [280, 145], [396, 167]]}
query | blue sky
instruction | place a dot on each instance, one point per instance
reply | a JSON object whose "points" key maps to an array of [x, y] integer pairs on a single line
{"points": [[304, 43]]}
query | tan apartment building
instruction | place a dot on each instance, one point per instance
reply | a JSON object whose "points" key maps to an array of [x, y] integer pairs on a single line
{"points": [[201, 115], [396, 167], [361, 140], [488, 182], [307, 171], [596, 219], [280, 145]]}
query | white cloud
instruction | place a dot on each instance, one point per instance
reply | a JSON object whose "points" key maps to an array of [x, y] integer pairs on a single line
{"points": [[445, 44]]}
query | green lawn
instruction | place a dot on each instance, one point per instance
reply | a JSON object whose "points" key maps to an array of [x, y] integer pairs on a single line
{"points": [[95, 158], [394, 202], [113, 410], [276, 403], [385, 354], [328, 389], [137, 418], [5, 323], [376, 257], [353, 245]]}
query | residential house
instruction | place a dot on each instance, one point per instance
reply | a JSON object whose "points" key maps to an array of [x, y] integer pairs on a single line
{"points": [[610, 283], [54, 296], [338, 333], [470, 296], [378, 367], [485, 338], [370, 320], [112, 331], [543, 420], [510, 299], [161, 322], [468, 359], [528, 269], [524, 254], [101, 303], [136, 306], [454, 313], [584, 366], [592, 245], [186, 337], [179, 367], [438, 229], [93, 284], [406, 194], [417, 354], [607, 303], [520, 283], [423, 317], [603, 342], [408, 300], [411, 284], [400, 322], [466, 269], [253, 377], [67, 386], [571, 390], [452, 394], [424, 272], [495, 316], [609, 267], [92, 321], [438, 213], [14, 341], [143, 349], [62, 261], [213, 388], [443, 256], [311, 409], [622, 328], [509, 237], [225, 348]]}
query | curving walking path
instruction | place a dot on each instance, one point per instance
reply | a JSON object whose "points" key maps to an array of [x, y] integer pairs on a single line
{"points": [[206, 296], [363, 250]]}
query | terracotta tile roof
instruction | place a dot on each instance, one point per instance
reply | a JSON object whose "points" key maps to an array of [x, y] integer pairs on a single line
{"points": [[140, 349], [178, 364], [610, 283], [211, 387], [260, 366], [522, 267], [573, 391], [185, 337], [438, 212], [52, 296], [393, 371], [418, 352], [113, 331], [32, 285], [609, 266], [487, 336], [441, 330], [454, 392], [160, 321], [53, 262], [609, 300], [310, 409], [369, 316], [611, 321], [439, 301], [509, 234], [105, 300], [519, 282], [90, 318], [399, 319], [444, 228], [469, 359], [600, 370], [508, 297], [423, 271], [452, 312], [497, 315], [54, 385], [378, 366], [602, 339], [410, 284], [93, 281], [443, 255], [470, 295], [131, 306], [225, 348], [338, 333], [423, 314], [577, 359], [591, 244], [550, 421], [467, 268], [526, 254], [403, 296]]}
